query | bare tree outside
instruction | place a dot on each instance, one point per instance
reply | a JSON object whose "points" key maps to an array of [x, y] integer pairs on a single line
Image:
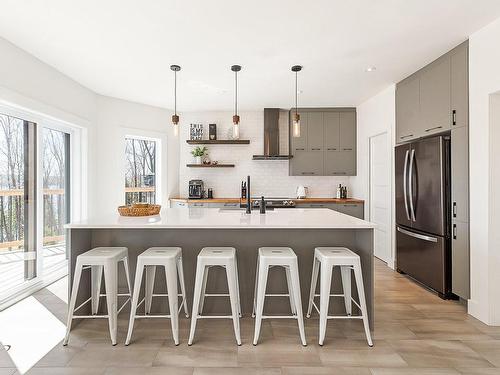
{"points": [[140, 171]]}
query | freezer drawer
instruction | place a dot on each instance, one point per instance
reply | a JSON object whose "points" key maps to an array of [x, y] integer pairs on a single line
{"points": [[424, 258]]}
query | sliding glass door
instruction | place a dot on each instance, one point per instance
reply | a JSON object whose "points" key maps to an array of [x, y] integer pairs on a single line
{"points": [[18, 206], [56, 193]]}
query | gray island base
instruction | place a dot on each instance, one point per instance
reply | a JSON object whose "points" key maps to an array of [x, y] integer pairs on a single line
{"points": [[300, 229]]}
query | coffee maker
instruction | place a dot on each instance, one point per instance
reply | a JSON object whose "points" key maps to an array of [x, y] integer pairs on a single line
{"points": [[196, 189]]}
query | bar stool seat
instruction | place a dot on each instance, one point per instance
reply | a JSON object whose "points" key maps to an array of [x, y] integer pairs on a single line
{"points": [[277, 257], [171, 259], [100, 260], [325, 259], [207, 258]]}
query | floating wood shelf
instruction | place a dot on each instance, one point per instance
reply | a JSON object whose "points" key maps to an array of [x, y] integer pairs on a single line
{"points": [[210, 165], [218, 142]]}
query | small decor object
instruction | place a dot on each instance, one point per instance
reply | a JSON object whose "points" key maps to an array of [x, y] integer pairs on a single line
{"points": [[175, 116], [196, 132], [210, 193], [198, 153], [212, 132], [139, 209], [214, 162]]}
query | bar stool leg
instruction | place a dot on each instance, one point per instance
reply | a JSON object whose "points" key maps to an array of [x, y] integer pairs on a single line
{"points": [[263, 268], [294, 275], [326, 280], [232, 282], [314, 282], [150, 284], [238, 287], [203, 291], [173, 299], [110, 279], [127, 276], [290, 293], [200, 274], [135, 299], [345, 272], [72, 302], [96, 276], [180, 270], [255, 288], [362, 302]]}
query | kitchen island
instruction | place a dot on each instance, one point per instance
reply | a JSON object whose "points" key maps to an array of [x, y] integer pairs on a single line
{"points": [[194, 228]]}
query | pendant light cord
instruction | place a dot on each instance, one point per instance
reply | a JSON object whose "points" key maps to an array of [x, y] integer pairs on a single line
{"points": [[175, 92], [236, 93], [296, 94]]}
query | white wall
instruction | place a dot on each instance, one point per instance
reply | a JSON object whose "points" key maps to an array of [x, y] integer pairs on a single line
{"points": [[269, 178], [375, 116], [117, 118], [484, 80]]}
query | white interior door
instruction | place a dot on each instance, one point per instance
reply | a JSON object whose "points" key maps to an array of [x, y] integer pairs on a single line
{"points": [[380, 194]]}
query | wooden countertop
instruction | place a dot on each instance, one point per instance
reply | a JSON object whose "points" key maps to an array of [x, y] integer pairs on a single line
{"points": [[237, 200]]}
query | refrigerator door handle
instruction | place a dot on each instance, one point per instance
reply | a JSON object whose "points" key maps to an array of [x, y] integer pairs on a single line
{"points": [[417, 235], [410, 183], [405, 185]]}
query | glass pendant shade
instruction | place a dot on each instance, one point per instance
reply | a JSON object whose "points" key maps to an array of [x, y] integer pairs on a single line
{"points": [[296, 126], [176, 130], [236, 127]]}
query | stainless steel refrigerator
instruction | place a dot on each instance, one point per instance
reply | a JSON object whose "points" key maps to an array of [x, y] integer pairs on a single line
{"points": [[423, 244]]}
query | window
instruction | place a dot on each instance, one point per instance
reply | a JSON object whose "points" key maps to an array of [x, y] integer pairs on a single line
{"points": [[140, 170]]}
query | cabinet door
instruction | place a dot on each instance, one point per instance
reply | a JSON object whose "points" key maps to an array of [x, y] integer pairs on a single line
{"points": [[352, 209], [315, 131], [460, 173], [198, 204], [435, 97], [330, 206], [225, 206], [460, 264], [407, 108], [332, 131], [307, 163], [340, 163], [347, 131], [176, 204], [299, 143], [460, 86]]}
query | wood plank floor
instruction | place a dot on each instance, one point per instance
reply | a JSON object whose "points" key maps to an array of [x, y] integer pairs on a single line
{"points": [[415, 333]]}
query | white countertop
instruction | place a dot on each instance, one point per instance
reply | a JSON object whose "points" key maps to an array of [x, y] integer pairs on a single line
{"points": [[196, 217]]}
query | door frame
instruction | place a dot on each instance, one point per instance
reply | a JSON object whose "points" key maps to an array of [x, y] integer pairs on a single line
{"points": [[391, 229]]}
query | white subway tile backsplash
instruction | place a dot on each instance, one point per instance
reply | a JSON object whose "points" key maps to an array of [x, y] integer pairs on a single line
{"points": [[269, 177]]}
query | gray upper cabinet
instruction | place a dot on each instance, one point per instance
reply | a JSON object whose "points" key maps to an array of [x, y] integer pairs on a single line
{"points": [[347, 131], [332, 131], [299, 143], [434, 99], [407, 109], [459, 85], [435, 94], [327, 146], [315, 131], [460, 174]]}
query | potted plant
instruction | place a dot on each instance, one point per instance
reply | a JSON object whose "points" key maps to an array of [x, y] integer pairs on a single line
{"points": [[198, 154]]}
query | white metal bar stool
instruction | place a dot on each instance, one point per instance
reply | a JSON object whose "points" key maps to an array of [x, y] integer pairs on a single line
{"points": [[273, 257], [171, 259], [98, 260], [207, 258], [325, 258]]}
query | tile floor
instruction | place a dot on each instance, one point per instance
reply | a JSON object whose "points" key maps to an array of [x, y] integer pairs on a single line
{"points": [[415, 333]]}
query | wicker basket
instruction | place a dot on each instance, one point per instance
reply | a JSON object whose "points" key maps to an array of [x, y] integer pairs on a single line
{"points": [[140, 209]]}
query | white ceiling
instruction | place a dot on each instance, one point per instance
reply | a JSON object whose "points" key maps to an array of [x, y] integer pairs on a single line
{"points": [[123, 48]]}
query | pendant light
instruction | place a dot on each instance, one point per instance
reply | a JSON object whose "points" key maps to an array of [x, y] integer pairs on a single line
{"points": [[175, 117], [296, 115], [236, 118]]}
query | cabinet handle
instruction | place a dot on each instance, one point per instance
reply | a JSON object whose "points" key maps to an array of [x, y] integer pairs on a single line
{"points": [[406, 136], [299, 149], [454, 209], [454, 231], [315, 149], [454, 117], [339, 172], [308, 173], [331, 149], [434, 128], [347, 149]]}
